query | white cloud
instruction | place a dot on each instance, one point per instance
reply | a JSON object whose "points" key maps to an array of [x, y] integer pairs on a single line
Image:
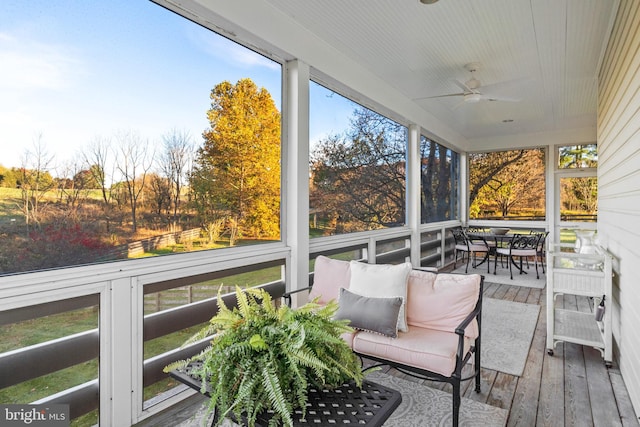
{"points": [[227, 50], [32, 65], [34, 75]]}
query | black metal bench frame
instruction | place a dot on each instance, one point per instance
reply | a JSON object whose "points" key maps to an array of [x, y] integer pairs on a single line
{"points": [[462, 357]]}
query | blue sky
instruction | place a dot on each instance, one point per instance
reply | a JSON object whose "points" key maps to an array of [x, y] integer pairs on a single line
{"points": [[73, 71]]}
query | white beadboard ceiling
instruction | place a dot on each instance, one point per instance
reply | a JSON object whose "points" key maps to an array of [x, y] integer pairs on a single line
{"points": [[552, 48]]}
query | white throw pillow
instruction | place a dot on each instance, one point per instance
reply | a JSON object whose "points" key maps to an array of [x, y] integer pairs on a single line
{"points": [[382, 280]]}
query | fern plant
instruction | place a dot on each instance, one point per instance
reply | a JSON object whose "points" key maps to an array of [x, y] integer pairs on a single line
{"points": [[264, 357]]}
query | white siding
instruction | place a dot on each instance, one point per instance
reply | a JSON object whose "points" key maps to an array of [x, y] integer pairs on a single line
{"points": [[619, 184]]}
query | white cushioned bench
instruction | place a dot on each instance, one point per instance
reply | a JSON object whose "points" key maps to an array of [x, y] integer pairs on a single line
{"points": [[437, 325]]}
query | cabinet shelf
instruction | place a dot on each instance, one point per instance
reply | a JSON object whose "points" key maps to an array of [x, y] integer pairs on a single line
{"points": [[577, 327], [582, 275]]}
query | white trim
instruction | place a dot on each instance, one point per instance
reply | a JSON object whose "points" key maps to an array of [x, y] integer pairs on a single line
{"points": [[321, 244], [164, 267], [413, 196], [122, 356], [295, 163], [105, 365], [463, 196], [137, 350]]}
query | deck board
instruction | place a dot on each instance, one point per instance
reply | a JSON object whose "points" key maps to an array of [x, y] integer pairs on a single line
{"points": [[603, 404], [576, 397], [524, 408], [627, 415]]}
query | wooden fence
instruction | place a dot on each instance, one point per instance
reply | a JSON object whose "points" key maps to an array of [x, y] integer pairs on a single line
{"points": [[139, 247]]}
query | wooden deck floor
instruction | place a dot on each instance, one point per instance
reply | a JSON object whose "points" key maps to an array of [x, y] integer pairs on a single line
{"points": [[571, 388]]}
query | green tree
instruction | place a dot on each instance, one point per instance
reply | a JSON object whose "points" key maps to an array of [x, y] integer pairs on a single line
{"points": [[97, 158], [237, 170], [484, 166], [3, 176], [133, 161], [35, 181], [359, 177], [578, 156], [86, 178], [438, 182], [174, 161], [160, 198], [579, 195], [506, 180], [9, 178], [73, 189]]}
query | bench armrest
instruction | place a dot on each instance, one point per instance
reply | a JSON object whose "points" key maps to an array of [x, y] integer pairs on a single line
{"points": [[463, 325], [461, 358], [287, 295]]}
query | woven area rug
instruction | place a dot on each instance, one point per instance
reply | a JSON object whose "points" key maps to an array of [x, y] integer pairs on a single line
{"points": [[504, 278], [421, 406], [507, 331]]}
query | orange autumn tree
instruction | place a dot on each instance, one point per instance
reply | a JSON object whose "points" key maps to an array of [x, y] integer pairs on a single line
{"points": [[236, 173], [507, 184]]}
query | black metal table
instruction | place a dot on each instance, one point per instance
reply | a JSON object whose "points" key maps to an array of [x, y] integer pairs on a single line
{"points": [[499, 242], [372, 405]]}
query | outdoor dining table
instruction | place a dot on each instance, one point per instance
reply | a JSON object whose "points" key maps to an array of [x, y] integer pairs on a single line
{"points": [[498, 240]]}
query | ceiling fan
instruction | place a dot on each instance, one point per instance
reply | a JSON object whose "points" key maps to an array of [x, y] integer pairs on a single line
{"points": [[473, 91]]}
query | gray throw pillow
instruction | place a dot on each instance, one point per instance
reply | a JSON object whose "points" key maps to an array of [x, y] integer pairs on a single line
{"points": [[371, 314]]}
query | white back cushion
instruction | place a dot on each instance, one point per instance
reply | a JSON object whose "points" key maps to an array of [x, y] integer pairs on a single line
{"points": [[382, 280]]}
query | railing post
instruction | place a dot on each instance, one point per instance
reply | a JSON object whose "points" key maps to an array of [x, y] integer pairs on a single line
{"points": [[413, 193], [121, 373], [442, 235], [371, 250]]}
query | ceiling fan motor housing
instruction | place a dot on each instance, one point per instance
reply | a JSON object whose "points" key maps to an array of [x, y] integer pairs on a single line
{"points": [[473, 83]]}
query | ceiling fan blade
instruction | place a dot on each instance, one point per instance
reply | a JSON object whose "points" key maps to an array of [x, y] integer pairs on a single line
{"points": [[486, 97], [504, 89], [458, 105], [507, 84], [463, 86], [439, 96]]}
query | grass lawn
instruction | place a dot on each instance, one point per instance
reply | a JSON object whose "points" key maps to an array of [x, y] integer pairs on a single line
{"points": [[10, 206], [35, 331]]}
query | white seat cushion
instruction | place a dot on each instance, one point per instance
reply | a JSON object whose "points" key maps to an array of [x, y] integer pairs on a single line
{"points": [[423, 348], [478, 248]]}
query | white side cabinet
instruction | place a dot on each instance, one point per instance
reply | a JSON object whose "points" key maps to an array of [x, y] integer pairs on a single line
{"points": [[587, 275]]}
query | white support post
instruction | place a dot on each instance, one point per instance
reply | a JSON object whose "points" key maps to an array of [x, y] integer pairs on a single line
{"points": [[552, 189], [442, 236], [295, 176], [413, 192], [464, 188], [121, 378], [372, 250]]}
